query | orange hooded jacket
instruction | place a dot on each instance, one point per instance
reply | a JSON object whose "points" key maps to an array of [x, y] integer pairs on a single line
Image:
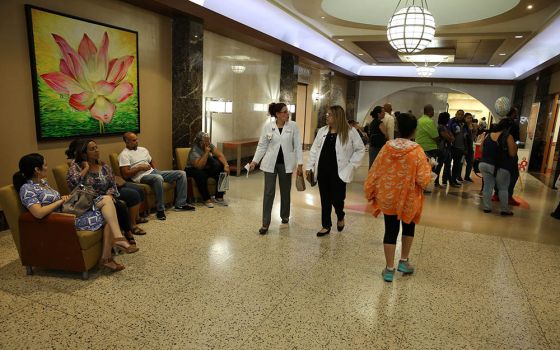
{"points": [[396, 181]]}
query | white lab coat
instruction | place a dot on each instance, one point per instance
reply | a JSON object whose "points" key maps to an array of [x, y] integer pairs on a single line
{"points": [[269, 145], [348, 156]]}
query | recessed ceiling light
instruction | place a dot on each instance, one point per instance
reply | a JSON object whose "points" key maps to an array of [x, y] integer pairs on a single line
{"points": [[502, 54], [529, 7], [340, 39], [492, 65], [360, 54], [322, 17], [518, 36]]}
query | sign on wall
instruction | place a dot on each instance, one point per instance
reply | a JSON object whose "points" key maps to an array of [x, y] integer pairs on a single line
{"points": [[85, 76]]}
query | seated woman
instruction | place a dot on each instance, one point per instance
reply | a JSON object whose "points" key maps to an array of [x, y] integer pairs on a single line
{"points": [[206, 161], [130, 192], [41, 200], [86, 169]]}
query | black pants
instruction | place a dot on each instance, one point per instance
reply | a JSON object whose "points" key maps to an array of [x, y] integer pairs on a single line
{"points": [[444, 161], [122, 215], [212, 170], [557, 211], [457, 157], [392, 229], [333, 193], [469, 159], [131, 194], [514, 176]]}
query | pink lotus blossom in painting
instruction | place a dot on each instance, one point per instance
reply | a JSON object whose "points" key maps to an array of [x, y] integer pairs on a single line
{"points": [[93, 81]]}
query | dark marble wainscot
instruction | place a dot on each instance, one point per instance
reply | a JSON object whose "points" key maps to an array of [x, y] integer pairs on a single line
{"points": [[187, 80]]}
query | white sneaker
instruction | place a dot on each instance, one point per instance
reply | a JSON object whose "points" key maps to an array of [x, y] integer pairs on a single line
{"points": [[221, 202], [209, 204]]}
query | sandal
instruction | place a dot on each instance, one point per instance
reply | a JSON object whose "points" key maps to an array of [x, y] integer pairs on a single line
{"points": [[118, 244], [111, 264], [142, 220], [138, 231], [129, 237]]}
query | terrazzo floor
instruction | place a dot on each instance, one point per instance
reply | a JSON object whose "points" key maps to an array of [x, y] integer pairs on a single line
{"points": [[208, 280]]}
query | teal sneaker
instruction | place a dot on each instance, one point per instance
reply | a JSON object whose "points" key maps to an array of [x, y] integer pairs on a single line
{"points": [[388, 274], [405, 267]]}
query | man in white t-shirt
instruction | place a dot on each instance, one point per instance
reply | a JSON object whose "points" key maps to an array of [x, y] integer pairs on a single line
{"points": [[136, 163], [389, 121]]}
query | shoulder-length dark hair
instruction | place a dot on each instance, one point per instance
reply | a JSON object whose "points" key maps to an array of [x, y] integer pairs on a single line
{"points": [[81, 150], [376, 112], [27, 165]]}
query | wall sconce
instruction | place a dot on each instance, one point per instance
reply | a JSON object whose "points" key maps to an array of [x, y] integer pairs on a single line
{"points": [[238, 69], [214, 105], [316, 96]]}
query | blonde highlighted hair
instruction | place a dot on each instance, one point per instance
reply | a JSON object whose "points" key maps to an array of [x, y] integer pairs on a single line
{"points": [[340, 122]]}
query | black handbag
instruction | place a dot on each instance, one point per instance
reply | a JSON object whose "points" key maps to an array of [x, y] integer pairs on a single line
{"points": [[80, 201]]}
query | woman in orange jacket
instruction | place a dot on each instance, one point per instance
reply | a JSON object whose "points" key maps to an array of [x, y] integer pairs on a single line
{"points": [[395, 187]]}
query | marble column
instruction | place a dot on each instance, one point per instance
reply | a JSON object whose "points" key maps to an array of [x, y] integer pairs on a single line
{"points": [[325, 101], [289, 79], [352, 92], [187, 79]]}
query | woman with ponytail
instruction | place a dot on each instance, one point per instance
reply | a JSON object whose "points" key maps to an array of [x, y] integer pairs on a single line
{"points": [[280, 150], [41, 200]]}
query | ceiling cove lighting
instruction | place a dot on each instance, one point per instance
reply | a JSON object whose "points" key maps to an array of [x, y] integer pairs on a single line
{"points": [[529, 7], [412, 28], [425, 71], [518, 36]]}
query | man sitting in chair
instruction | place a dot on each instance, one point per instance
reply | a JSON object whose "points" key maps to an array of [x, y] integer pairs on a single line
{"points": [[206, 161], [136, 163]]}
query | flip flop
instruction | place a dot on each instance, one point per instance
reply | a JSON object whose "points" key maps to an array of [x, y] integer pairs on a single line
{"points": [[138, 231]]}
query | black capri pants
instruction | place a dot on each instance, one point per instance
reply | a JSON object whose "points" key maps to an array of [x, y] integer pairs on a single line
{"points": [[392, 229], [122, 215]]}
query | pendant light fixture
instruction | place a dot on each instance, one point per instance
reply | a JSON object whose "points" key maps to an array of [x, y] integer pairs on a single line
{"points": [[412, 28]]}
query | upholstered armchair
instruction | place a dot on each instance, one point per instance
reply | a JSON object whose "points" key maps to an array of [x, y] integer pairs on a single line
{"points": [[149, 195], [59, 173], [181, 156], [51, 242]]}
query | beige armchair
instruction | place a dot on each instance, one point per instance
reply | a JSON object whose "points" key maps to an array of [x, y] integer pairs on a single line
{"points": [[181, 156], [59, 173], [149, 195], [51, 242]]}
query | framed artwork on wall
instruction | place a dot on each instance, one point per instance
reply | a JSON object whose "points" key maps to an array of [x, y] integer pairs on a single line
{"points": [[85, 76]]}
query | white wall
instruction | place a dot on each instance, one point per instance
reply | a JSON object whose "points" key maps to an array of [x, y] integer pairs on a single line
{"points": [[259, 83], [377, 91]]}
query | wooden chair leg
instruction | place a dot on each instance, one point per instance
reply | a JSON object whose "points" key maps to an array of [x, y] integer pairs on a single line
{"points": [[29, 270]]}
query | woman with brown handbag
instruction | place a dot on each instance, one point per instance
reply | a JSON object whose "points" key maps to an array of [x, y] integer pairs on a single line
{"points": [[40, 199]]}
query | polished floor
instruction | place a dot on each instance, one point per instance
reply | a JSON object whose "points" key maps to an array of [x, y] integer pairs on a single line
{"points": [[207, 280]]}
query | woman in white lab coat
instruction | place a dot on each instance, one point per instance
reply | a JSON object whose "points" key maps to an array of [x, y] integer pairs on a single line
{"points": [[336, 152], [279, 152]]}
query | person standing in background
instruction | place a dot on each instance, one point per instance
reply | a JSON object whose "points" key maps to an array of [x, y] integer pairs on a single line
{"points": [[389, 121], [469, 145], [427, 134], [377, 133], [457, 127]]}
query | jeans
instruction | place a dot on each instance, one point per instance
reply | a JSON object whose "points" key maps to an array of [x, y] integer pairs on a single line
{"points": [[501, 180], [285, 182], [156, 180]]}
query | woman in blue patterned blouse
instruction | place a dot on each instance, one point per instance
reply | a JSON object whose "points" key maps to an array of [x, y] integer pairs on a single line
{"points": [[41, 200]]}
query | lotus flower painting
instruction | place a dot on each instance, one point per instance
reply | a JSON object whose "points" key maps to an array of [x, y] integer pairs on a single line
{"points": [[85, 76]]}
